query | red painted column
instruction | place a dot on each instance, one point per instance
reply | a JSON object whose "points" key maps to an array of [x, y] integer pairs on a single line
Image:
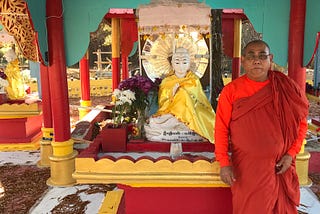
{"points": [[85, 86], [57, 71], [85, 77], [62, 160], [297, 72], [296, 42], [236, 60], [46, 99], [47, 127], [115, 34], [124, 68]]}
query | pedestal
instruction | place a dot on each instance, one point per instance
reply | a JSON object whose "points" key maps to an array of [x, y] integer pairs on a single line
{"points": [[20, 125], [302, 164]]}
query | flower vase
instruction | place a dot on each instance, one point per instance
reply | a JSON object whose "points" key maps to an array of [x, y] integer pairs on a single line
{"points": [[114, 139], [141, 119]]}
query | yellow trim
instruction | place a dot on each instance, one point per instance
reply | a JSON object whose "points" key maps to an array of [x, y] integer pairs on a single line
{"points": [[47, 133], [62, 148], [85, 103], [147, 173], [100, 87], [83, 112], [34, 145], [111, 202], [237, 38], [19, 110], [115, 35]]}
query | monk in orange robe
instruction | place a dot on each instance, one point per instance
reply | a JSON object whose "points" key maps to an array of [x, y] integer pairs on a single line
{"points": [[261, 121]]}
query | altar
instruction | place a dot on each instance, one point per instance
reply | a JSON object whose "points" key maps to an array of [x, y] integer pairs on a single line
{"points": [[20, 125], [154, 182]]}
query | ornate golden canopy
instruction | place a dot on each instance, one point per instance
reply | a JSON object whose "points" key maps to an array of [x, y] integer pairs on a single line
{"points": [[14, 17]]}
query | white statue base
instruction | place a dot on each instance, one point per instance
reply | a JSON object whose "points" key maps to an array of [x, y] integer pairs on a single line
{"points": [[167, 128]]}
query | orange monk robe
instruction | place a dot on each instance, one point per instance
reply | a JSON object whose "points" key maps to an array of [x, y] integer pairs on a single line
{"points": [[256, 117]]}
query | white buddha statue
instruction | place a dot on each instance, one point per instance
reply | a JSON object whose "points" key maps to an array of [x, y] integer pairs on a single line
{"points": [[184, 113]]}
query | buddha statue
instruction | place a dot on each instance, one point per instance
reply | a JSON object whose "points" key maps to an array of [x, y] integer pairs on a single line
{"points": [[15, 89], [184, 112]]}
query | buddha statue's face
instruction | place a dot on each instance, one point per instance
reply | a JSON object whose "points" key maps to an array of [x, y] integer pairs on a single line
{"points": [[181, 62], [10, 55]]}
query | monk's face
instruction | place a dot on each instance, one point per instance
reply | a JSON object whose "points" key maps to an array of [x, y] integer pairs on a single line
{"points": [[256, 61]]}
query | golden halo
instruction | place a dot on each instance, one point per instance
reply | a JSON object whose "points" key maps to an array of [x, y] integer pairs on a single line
{"points": [[157, 52]]}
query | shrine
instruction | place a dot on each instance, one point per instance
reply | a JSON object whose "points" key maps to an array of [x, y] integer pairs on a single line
{"points": [[150, 179]]}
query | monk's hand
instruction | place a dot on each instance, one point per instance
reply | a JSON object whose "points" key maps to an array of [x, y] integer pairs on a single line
{"points": [[175, 88], [284, 164], [226, 175]]}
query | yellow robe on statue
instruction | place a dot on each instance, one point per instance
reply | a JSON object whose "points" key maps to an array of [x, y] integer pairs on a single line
{"points": [[15, 89], [189, 104]]}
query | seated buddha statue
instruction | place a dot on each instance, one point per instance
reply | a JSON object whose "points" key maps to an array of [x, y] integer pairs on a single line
{"points": [[184, 112], [15, 89]]}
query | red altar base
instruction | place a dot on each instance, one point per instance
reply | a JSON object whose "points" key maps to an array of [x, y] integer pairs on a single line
{"points": [[186, 200], [20, 130], [20, 124], [151, 146], [143, 146]]}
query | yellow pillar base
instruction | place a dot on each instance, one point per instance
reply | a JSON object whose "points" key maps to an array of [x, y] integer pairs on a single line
{"points": [[302, 164], [62, 168], [62, 163], [45, 147], [45, 153], [83, 111]]}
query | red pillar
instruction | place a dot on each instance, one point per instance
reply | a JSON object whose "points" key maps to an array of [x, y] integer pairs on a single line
{"points": [[115, 24], [85, 77], [47, 127], [57, 71], [46, 99], [296, 42], [85, 86], [125, 72]]}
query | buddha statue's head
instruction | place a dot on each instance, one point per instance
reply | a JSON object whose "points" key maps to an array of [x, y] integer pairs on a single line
{"points": [[10, 55], [180, 62]]}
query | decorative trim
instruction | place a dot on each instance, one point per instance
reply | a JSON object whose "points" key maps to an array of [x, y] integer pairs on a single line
{"points": [[14, 17], [147, 173]]}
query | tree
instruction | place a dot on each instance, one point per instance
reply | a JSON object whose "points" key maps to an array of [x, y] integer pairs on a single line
{"points": [[217, 81]]}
